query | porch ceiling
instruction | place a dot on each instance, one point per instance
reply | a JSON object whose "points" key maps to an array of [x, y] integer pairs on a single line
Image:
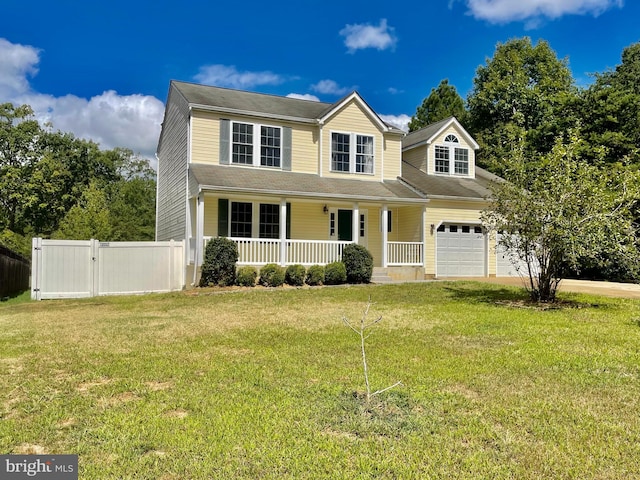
{"points": [[275, 182]]}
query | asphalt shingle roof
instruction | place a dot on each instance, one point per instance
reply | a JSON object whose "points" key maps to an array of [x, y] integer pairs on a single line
{"points": [[423, 134], [276, 182], [259, 103], [448, 186]]}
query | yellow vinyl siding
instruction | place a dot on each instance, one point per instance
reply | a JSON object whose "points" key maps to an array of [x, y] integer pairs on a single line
{"points": [[210, 216], [304, 148], [409, 224], [392, 156], [308, 221], [351, 119], [205, 141], [417, 157], [439, 211], [205, 137]]}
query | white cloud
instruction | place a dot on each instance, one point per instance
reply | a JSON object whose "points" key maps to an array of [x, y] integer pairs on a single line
{"points": [[304, 96], [360, 36], [229, 76], [504, 11], [18, 63], [400, 121], [330, 87], [112, 120]]}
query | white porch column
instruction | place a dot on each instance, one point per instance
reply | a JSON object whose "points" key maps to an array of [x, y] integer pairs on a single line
{"points": [[199, 250], [283, 231], [424, 239], [355, 224], [385, 235]]}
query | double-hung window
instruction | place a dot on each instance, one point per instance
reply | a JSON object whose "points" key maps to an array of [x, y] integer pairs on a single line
{"points": [[257, 145], [352, 153], [450, 151]]}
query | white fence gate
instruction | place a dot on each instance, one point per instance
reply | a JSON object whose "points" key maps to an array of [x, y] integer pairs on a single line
{"points": [[88, 268]]}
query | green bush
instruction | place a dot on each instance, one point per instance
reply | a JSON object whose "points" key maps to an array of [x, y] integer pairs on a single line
{"points": [[315, 275], [294, 275], [335, 273], [219, 266], [271, 275], [358, 262], [246, 276]]}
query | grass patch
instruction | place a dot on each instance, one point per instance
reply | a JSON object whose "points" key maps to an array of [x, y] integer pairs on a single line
{"points": [[268, 384]]}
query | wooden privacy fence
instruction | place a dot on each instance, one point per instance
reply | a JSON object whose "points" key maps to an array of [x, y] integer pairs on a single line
{"points": [[88, 268], [14, 273]]}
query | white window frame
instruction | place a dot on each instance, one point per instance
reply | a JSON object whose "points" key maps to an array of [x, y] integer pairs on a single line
{"points": [[353, 147], [257, 144], [255, 217], [451, 147]]}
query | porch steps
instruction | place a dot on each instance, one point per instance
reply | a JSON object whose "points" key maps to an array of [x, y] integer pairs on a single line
{"points": [[379, 275]]}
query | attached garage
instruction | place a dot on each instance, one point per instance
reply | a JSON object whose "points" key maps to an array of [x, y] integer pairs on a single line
{"points": [[461, 250]]}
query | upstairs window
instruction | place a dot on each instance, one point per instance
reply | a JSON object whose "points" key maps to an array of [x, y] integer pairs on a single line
{"points": [[340, 152], [352, 153], [269, 146], [449, 152], [246, 142], [242, 143], [442, 159]]}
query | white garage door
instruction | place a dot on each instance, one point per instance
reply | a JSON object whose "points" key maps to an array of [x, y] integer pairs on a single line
{"points": [[461, 251]]}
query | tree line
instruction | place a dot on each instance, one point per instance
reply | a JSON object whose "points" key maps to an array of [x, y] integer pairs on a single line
{"points": [[570, 156], [54, 185]]}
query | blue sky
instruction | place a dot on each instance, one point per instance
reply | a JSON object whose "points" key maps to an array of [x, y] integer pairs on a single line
{"points": [[101, 70]]}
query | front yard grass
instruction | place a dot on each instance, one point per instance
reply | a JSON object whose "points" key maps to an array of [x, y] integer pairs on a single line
{"points": [[269, 384]]}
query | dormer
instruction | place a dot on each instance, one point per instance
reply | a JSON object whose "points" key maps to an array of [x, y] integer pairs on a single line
{"points": [[443, 148]]}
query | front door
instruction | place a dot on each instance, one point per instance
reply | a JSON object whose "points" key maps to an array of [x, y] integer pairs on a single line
{"points": [[345, 225]]}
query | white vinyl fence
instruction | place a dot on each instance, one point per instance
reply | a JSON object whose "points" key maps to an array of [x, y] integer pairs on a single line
{"points": [[88, 268]]}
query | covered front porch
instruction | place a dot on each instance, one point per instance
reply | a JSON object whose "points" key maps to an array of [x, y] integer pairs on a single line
{"points": [[313, 232], [289, 218]]}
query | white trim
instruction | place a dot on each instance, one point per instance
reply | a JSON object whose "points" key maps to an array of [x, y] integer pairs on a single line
{"points": [[385, 235], [355, 224], [256, 159]]}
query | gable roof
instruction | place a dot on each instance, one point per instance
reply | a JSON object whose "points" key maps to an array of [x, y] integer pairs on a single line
{"points": [[253, 180], [228, 100], [426, 135], [449, 187]]}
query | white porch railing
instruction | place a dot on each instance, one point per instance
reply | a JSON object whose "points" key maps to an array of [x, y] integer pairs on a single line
{"points": [[260, 251], [405, 253]]}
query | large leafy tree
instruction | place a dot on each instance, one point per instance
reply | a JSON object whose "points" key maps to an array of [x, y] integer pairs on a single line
{"points": [[611, 109], [19, 152], [443, 102], [523, 95], [562, 212], [89, 218], [49, 179]]}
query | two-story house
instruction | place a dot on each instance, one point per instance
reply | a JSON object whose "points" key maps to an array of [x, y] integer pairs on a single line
{"points": [[293, 181]]}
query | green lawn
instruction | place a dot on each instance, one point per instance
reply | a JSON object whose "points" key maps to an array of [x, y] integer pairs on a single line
{"points": [[269, 384]]}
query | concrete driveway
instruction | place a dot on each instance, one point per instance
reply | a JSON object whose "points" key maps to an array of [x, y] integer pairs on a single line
{"points": [[607, 289]]}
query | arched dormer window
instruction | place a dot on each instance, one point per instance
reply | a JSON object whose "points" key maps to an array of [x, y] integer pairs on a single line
{"points": [[451, 150]]}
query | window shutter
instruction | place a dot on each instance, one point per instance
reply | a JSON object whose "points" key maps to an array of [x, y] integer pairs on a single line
{"points": [[223, 217], [288, 224], [286, 148], [225, 129]]}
